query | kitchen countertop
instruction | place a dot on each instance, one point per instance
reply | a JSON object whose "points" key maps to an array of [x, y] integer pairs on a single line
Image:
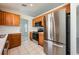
{"points": [[2, 43]]}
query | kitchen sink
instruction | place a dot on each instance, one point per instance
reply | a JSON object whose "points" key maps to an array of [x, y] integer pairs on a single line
{"points": [[2, 35]]}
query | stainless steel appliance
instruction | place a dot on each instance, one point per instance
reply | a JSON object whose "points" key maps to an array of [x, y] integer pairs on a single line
{"points": [[55, 42]]}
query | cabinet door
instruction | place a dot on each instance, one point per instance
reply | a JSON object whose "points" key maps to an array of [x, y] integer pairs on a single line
{"points": [[0, 17], [42, 19], [8, 19], [3, 18], [14, 40], [2, 21], [16, 20], [41, 38], [33, 22], [68, 8]]}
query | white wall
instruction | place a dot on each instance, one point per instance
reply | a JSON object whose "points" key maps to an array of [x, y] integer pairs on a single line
{"points": [[73, 28]]}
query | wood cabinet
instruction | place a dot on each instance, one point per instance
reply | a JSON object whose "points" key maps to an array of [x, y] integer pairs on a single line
{"points": [[9, 19], [41, 38], [14, 40], [68, 8], [30, 35], [38, 19], [1, 17], [33, 23], [16, 20]]}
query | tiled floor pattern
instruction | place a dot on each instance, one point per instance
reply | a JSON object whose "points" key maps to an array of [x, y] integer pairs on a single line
{"points": [[27, 48]]}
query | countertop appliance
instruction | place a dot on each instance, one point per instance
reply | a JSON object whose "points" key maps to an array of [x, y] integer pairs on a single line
{"points": [[55, 42]]}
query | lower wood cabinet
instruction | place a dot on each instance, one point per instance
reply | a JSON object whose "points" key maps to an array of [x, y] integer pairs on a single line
{"points": [[30, 36], [38, 19], [41, 38], [14, 40]]}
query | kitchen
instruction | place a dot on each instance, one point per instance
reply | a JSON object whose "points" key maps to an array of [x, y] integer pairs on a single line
{"points": [[10, 27]]}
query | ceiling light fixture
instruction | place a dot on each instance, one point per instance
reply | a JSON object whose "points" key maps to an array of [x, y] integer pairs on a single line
{"points": [[31, 5]]}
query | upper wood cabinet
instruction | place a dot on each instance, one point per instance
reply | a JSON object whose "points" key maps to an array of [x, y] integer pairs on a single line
{"points": [[9, 19], [39, 19], [33, 23], [1, 16], [16, 20], [68, 8]]}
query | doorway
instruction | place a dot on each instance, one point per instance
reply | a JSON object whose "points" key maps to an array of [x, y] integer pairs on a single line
{"points": [[24, 30]]}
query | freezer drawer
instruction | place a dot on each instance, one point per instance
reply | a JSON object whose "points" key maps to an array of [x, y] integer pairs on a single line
{"points": [[58, 49], [48, 47]]}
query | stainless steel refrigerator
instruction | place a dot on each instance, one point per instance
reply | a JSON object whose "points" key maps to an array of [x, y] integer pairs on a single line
{"points": [[55, 41]]}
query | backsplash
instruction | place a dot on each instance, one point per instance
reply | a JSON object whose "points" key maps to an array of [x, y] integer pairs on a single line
{"points": [[34, 29], [9, 29]]}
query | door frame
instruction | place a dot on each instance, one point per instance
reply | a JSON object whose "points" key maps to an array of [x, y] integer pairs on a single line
{"points": [[24, 28]]}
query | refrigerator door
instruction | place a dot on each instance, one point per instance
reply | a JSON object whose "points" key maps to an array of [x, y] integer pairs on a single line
{"points": [[52, 27], [53, 48], [49, 25], [60, 26]]}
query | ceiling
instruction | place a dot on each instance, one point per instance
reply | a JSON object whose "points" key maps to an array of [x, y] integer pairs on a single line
{"points": [[36, 9]]}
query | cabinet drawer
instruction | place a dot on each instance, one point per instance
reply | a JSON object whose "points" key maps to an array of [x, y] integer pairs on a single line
{"points": [[14, 40], [41, 38], [13, 44]]}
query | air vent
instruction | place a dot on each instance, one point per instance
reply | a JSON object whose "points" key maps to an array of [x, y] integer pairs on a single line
{"points": [[24, 5]]}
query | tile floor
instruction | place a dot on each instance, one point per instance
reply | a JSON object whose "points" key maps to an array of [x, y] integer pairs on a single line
{"points": [[27, 48]]}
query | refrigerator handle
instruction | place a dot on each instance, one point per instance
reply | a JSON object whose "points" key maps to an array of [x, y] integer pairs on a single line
{"points": [[57, 45], [52, 27]]}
